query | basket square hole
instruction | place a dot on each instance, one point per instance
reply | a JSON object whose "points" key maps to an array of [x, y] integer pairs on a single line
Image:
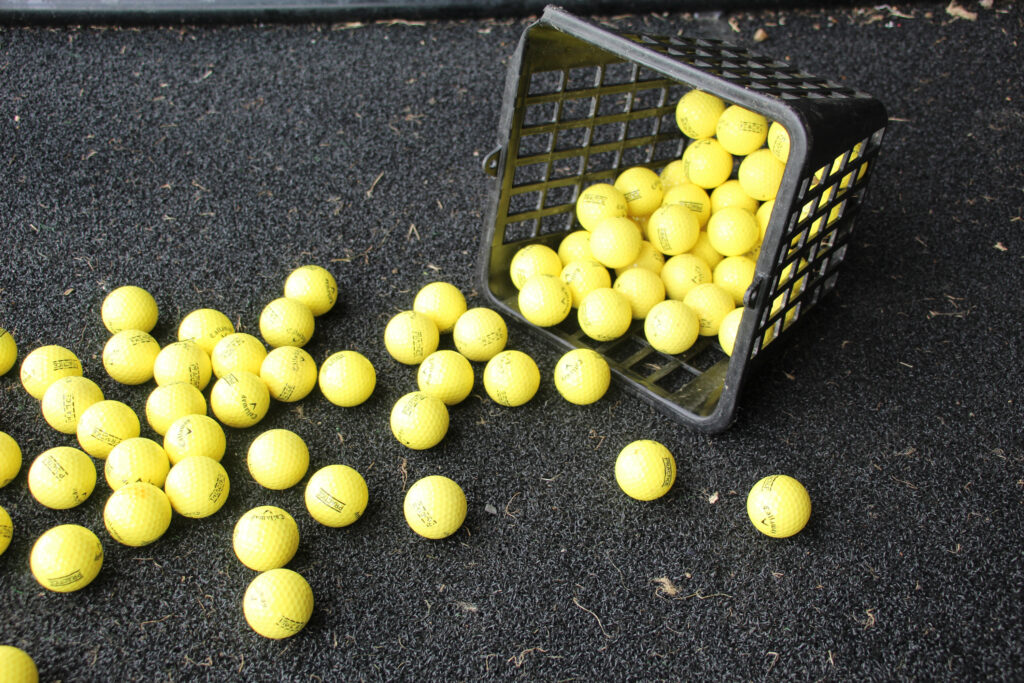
{"points": [[668, 150], [645, 74], [529, 173], [560, 196], [613, 103], [581, 78], [572, 138], [566, 168], [619, 73], [545, 82], [636, 156], [556, 223], [641, 127], [608, 132], [577, 108], [624, 349], [539, 113], [521, 203], [649, 98], [675, 380], [602, 161], [532, 145], [519, 230]]}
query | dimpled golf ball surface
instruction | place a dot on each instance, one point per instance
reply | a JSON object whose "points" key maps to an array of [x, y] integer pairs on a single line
{"points": [[6, 530], [265, 538], [17, 665], [278, 603], [137, 514], [575, 247], [605, 314], [545, 300], [672, 327], [597, 202], [240, 399], [8, 352], [289, 372], [286, 322], [336, 495], [642, 288], [313, 286], [642, 189], [582, 376], [66, 558], [197, 487], [435, 507], [347, 378], [534, 259], [183, 361], [419, 421], [410, 337], [479, 334], [129, 356], [10, 459], [66, 399], [511, 378], [135, 460], [728, 329], [62, 477], [741, 131], [697, 114], [778, 506], [446, 375], [238, 351], [760, 175], [615, 242], [170, 402], [129, 308], [583, 277], [649, 258], [707, 163], [45, 365], [194, 435], [711, 303], [645, 470], [442, 302], [278, 459], [205, 327]]}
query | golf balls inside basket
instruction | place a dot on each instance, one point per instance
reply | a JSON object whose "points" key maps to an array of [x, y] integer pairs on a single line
{"points": [[137, 514], [278, 459], [336, 495], [278, 603], [66, 558], [435, 507], [778, 506], [62, 477], [265, 537]]}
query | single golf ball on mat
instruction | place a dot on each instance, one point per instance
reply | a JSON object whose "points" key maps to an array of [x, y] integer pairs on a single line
{"points": [[8, 352], [6, 530], [197, 487], [442, 302], [194, 435], [10, 459], [582, 376], [278, 603], [66, 558], [289, 372], [435, 507], [45, 365], [183, 361], [479, 334], [240, 399], [129, 308], [62, 477], [238, 351], [645, 470], [17, 665], [136, 460], [511, 378], [336, 495], [278, 459], [66, 399], [313, 286], [137, 514], [205, 327], [533, 259], [286, 322], [265, 537], [347, 378], [778, 506], [778, 141], [129, 356], [446, 375], [410, 337], [170, 402], [419, 420]]}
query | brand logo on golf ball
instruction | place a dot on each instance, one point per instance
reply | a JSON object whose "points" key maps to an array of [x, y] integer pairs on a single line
{"points": [[67, 580], [105, 436], [330, 501], [218, 488], [54, 467], [421, 511]]}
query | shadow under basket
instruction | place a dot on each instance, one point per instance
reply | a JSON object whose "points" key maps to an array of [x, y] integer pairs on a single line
{"points": [[583, 102]]}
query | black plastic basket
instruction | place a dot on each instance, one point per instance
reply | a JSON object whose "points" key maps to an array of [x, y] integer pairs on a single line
{"points": [[583, 102]]}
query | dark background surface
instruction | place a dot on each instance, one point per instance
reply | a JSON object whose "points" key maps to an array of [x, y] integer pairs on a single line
{"points": [[204, 163]]}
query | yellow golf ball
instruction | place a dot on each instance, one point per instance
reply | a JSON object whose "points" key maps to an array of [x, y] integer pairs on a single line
{"points": [[135, 460], [205, 327], [129, 308], [673, 229], [605, 314], [479, 334], [575, 247], [17, 665], [410, 337], [642, 288], [615, 242], [278, 459], [692, 197], [6, 532], [545, 300], [10, 459], [442, 302], [711, 303], [672, 327], [734, 274], [197, 487], [731, 193], [347, 378], [511, 378], [419, 421], [289, 372], [183, 361], [265, 538], [66, 558], [763, 215], [645, 470], [642, 189], [733, 231], [336, 495], [137, 514], [240, 399], [129, 356], [435, 507], [238, 351], [45, 365], [66, 399], [446, 375], [598, 202], [684, 272], [278, 603], [170, 402], [705, 251], [196, 434], [728, 329], [583, 277], [779, 506], [697, 114], [105, 424], [708, 164], [534, 259], [760, 175], [740, 130], [313, 286], [649, 259], [674, 173], [582, 376], [286, 322], [778, 141], [8, 351]]}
